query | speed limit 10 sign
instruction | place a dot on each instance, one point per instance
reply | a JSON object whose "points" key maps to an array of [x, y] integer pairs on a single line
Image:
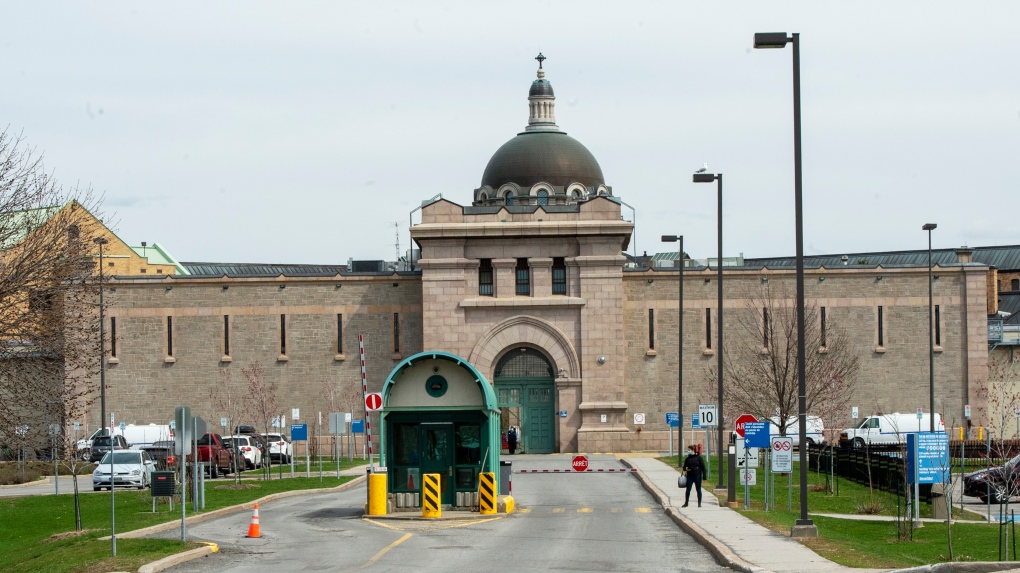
{"points": [[707, 415]]}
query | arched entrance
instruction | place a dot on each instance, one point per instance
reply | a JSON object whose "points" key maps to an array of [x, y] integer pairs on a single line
{"points": [[524, 391]]}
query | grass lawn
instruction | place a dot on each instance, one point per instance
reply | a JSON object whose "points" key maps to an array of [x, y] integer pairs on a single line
{"points": [[859, 543], [37, 533]]}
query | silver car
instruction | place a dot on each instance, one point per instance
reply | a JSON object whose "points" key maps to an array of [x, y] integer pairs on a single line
{"points": [[131, 468]]}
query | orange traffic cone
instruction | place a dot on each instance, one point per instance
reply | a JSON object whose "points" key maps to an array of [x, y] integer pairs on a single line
{"points": [[253, 528]]}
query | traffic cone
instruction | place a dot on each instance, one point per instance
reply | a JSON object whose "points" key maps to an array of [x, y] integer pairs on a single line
{"points": [[253, 528]]}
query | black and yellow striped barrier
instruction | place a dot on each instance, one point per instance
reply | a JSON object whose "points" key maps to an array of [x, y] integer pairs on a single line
{"points": [[431, 496], [487, 493]]}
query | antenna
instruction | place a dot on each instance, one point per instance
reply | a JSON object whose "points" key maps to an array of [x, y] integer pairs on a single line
{"points": [[396, 235]]}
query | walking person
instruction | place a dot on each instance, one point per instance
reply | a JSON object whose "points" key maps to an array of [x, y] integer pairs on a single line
{"points": [[694, 468], [511, 440]]}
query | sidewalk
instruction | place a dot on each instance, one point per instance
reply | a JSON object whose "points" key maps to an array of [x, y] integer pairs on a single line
{"points": [[735, 540]]}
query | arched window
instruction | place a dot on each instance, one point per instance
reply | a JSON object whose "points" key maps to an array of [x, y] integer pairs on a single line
{"points": [[524, 363], [575, 195], [483, 196], [509, 197], [543, 197]]}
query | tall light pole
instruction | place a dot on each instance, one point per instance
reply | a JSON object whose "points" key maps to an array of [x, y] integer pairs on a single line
{"points": [[804, 527], [931, 334], [708, 178], [679, 340], [102, 345]]}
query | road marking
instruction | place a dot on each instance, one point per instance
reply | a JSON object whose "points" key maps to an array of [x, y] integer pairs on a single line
{"points": [[558, 510], [584, 510], [386, 525], [524, 510], [642, 509], [615, 510], [383, 551]]}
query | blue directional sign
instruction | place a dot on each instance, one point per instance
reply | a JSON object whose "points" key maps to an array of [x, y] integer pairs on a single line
{"points": [[695, 423], [298, 432], [358, 427], [673, 419], [756, 434], [927, 457]]}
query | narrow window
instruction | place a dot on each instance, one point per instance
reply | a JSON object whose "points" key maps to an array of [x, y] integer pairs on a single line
{"points": [[559, 276], [708, 328], [765, 327], [651, 329], [226, 335], [543, 197], [523, 278], [938, 327], [881, 329], [339, 334], [485, 277], [823, 328], [169, 336], [1014, 284], [396, 332], [113, 336], [283, 335], [509, 197]]}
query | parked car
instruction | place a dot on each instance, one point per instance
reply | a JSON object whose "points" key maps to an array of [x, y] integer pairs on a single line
{"points": [[889, 429], [1000, 483], [162, 454], [245, 431], [142, 435], [815, 429], [84, 445], [280, 448], [218, 458], [132, 468], [247, 447], [101, 445]]}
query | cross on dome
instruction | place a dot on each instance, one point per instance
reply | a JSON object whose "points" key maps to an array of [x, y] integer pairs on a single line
{"points": [[540, 59]]}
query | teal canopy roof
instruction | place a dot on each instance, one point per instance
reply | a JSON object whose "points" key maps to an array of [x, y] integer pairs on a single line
{"points": [[486, 388]]}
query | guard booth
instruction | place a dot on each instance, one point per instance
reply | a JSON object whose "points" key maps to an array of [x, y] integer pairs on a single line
{"points": [[439, 416]]}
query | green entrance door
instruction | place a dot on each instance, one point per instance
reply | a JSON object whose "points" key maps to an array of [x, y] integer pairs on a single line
{"points": [[524, 388], [437, 455]]}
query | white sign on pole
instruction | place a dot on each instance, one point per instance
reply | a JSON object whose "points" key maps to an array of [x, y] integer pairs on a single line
{"points": [[223, 422], [920, 413], [707, 415], [77, 426], [320, 418], [752, 455], [854, 413], [748, 476], [966, 410], [347, 417], [639, 419], [782, 454], [1016, 412], [295, 414]]}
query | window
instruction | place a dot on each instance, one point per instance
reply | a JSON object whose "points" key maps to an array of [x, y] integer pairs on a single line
{"points": [[823, 333], [523, 278], [483, 196], [559, 276], [881, 328], [396, 332], [169, 336], [765, 327], [509, 197], [575, 195], [543, 197], [339, 334], [938, 326], [226, 335], [651, 329], [1014, 284], [283, 335], [113, 336], [708, 328], [485, 277]]}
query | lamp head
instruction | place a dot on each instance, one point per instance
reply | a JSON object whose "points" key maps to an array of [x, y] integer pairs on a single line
{"points": [[100, 240], [763, 40], [929, 227], [670, 238], [704, 177]]}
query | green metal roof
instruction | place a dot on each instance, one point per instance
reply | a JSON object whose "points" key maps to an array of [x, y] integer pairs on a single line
{"points": [[156, 254], [14, 226]]}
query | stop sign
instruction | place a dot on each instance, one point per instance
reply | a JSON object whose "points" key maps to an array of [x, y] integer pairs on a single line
{"points": [[373, 402], [579, 463], [743, 419]]}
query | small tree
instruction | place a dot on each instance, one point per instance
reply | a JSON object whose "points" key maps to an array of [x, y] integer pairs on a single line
{"points": [[264, 399], [229, 400], [1002, 392], [341, 397]]}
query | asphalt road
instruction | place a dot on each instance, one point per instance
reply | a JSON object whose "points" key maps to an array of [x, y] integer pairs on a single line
{"points": [[584, 522]]}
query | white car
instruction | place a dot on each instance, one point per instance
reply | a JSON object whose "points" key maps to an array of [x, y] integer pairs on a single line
{"points": [[246, 447], [131, 468], [279, 447]]}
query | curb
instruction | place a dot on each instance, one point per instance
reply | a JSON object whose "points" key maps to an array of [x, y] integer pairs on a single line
{"points": [[974, 567], [172, 560], [722, 553], [145, 532], [43, 480]]}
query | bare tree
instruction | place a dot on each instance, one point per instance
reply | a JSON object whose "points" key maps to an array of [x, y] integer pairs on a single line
{"points": [[1001, 394], [341, 397], [761, 359], [264, 398], [228, 398]]}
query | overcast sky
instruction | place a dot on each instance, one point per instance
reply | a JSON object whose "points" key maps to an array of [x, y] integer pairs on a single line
{"points": [[303, 132]]}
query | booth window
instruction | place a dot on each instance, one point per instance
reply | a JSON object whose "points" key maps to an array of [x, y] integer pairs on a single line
{"points": [[113, 337], [559, 276], [523, 278], [485, 277], [468, 443]]}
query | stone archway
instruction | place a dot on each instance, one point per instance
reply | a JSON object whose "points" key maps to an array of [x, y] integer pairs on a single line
{"points": [[522, 331]]}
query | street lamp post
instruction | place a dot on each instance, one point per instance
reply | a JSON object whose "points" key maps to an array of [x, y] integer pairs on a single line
{"points": [[804, 527], [679, 340], [102, 341], [931, 334], [708, 178]]}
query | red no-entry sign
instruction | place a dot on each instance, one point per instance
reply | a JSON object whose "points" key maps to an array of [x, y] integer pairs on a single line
{"points": [[373, 402], [743, 419], [579, 463]]}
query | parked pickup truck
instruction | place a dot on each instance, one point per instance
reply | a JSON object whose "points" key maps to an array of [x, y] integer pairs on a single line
{"points": [[215, 455]]}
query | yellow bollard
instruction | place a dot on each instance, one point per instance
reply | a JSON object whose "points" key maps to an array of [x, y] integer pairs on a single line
{"points": [[981, 432], [377, 494], [487, 493], [961, 433], [431, 496]]}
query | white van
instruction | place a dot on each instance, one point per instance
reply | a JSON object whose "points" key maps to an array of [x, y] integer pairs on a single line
{"points": [[139, 436], [814, 429], [890, 428]]}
